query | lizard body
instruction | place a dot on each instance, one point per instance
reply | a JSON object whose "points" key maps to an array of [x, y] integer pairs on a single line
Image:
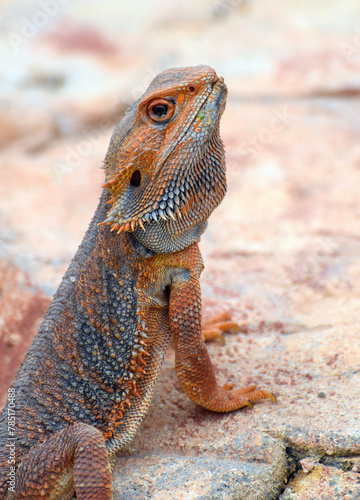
{"points": [[133, 285]]}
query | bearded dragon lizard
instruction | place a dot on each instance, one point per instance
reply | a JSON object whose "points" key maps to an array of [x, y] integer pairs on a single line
{"points": [[87, 380]]}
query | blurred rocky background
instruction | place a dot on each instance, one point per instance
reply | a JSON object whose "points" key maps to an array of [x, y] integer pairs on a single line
{"points": [[282, 252]]}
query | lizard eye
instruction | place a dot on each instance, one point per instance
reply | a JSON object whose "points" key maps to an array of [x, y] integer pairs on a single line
{"points": [[160, 110]]}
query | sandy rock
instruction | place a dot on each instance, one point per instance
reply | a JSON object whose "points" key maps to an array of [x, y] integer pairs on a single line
{"points": [[323, 483], [186, 452]]}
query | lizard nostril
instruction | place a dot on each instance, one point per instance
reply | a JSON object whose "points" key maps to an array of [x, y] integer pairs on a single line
{"points": [[191, 89], [135, 180]]}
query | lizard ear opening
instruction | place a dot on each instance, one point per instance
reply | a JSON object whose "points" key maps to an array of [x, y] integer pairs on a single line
{"points": [[135, 180]]}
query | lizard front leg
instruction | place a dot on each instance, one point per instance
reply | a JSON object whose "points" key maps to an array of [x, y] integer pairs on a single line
{"points": [[73, 459], [193, 365]]}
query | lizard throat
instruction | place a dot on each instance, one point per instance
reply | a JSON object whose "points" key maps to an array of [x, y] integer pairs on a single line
{"points": [[177, 218]]}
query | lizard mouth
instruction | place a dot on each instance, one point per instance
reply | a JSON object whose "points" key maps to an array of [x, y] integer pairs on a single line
{"points": [[184, 176]]}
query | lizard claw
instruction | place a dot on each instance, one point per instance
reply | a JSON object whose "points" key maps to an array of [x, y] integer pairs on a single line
{"points": [[214, 328]]}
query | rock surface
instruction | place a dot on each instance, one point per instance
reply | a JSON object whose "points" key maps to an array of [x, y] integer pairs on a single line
{"points": [[282, 252]]}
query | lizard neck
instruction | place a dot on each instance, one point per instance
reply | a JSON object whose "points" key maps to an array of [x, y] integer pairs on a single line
{"points": [[161, 237], [166, 236]]}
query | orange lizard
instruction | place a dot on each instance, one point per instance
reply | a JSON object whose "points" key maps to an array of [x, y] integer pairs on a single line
{"points": [[88, 378]]}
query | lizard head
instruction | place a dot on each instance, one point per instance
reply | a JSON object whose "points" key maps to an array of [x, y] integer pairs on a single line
{"points": [[165, 167]]}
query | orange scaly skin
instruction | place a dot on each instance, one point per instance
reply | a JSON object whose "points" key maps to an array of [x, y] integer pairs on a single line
{"points": [[87, 380]]}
